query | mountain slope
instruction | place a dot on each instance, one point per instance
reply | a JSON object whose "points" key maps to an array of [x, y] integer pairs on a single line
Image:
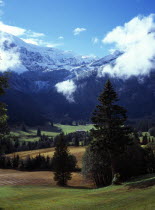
{"points": [[50, 84]]}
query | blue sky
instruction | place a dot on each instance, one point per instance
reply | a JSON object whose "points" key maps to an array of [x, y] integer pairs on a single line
{"points": [[57, 20]]}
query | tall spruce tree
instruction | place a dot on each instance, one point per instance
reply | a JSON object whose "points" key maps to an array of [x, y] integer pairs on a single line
{"points": [[38, 132], [63, 162], [110, 133], [3, 110]]}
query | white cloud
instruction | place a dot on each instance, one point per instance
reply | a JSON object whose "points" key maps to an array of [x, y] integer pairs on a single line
{"points": [[77, 31], [28, 36], [60, 37], [31, 41], [16, 31], [67, 88], [10, 58], [137, 39], [34, 34], [1, 3], [40, 42], [95, 40], [48, 44]]}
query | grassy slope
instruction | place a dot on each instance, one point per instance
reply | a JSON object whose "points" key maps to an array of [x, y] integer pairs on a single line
{"points": [[31, 134], [127, 196]]}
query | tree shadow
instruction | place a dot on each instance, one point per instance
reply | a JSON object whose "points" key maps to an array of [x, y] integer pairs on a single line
{"points": [[80, 187], [142, 184]]}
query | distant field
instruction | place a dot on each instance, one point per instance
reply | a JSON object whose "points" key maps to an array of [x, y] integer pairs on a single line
{"points": [[31, 134], [77, 151], [136, 195]]}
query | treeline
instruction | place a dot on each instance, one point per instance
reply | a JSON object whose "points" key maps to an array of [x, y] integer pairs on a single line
{"points": [[115, 153], [39, 162], [10, 144], [135, 161]]}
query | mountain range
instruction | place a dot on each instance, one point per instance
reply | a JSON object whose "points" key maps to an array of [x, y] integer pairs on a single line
{"points": [[48, 84]]}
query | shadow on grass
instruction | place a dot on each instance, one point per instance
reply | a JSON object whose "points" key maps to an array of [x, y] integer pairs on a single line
{"points": [[142, 184], [79, 187]]}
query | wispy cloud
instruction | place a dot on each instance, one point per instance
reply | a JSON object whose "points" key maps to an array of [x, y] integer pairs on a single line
{"points": [[16, 31], [40, 42], [1, 5], [28, 36], [77, 31], [60, 37], [34, 34], [95, 40], [137, 40], [67, 88]]}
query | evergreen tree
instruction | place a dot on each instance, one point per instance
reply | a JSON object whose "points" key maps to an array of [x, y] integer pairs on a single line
{"points": [[145, 139], [24, 128], [38, 132], [4, 130], [62, 162], [110, 132]]}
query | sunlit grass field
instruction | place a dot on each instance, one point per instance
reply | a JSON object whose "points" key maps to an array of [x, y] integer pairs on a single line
{"points": [[123, 197], [31, 134], [77, 151]]}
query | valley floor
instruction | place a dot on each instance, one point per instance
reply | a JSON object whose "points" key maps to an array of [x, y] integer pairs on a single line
{"points": [[37, 190]]}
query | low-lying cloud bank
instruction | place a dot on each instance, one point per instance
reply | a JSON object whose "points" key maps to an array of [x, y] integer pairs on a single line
{"points": [[9, 58], [67, 88], [137, 40]]}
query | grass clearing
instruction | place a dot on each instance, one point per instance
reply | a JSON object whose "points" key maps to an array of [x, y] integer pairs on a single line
{"points": [[72, 197], [77, 151], [31, 134]]}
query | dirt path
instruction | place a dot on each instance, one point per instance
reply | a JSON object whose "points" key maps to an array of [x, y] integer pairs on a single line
{"points": [[13, 177]]}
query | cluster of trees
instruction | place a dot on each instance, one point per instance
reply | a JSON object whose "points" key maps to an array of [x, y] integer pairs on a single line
{"points": [[10, 144], [62, 163], [115, 153], [62, 158], [78, 138], [146, 139], [37, 163]]}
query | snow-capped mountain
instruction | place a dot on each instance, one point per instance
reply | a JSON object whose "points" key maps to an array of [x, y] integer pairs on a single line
{"points": [[36, 58], [51, 84]]}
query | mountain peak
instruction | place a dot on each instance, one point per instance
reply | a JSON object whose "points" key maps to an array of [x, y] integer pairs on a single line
{"points": [[33, 58]]}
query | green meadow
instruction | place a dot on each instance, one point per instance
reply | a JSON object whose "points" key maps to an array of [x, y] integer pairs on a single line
{"points": [[135, 195], [31, 134]]}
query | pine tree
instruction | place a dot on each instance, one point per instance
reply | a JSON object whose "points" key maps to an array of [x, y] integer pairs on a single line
{"points": [[145, 139], [38, 132], [110, 132], [62, 162], [24, 128], [4, 130]]}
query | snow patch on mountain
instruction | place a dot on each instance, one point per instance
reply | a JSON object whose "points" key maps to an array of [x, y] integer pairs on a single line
{"points": [[35, 58]]}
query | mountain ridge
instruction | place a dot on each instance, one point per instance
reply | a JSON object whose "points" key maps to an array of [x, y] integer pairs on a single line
{"points": [[69, 89]]}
